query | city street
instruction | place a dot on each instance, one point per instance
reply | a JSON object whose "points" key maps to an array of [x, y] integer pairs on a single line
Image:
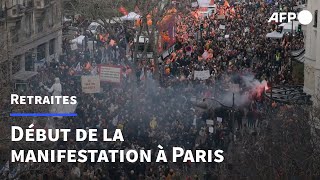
{"points": [[200, 75]]}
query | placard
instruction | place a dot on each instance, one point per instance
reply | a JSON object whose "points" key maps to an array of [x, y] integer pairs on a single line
{"points": [[194, 4], [202, 75], [223, 27], [90, 84], [221, 17], [210, 129], [110, 74], [74, 46], [209, 122], [235, 87]]}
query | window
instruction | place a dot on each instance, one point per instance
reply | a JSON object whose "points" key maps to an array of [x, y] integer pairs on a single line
{"points": [[51, 46], [29, 61], [18, 25], [29, 4], [14, 11], [315, 19], [14, 35], [16, 32], [2, 12], [40, 25], [41, 52], [38, 3], [57, 15], [28, 22], [50, 17], [16, 64]]}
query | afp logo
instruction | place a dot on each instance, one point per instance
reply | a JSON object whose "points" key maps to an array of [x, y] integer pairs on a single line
{"points": [[304, 17]]}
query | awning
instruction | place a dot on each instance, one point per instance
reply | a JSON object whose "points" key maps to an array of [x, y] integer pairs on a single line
{"points": [[297, 52], [298, 55], [289, 27], [275, 35], [283, 24], [300, 58], [24, 75]]}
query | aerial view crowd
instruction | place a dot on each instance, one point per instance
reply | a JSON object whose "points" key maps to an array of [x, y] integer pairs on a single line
{"points": [[172, 108]]}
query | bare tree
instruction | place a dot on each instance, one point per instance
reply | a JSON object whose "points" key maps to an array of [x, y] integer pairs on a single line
{"points": [[152, 11], [101, 11], [105, 11], [284, 147], [4, 57]]}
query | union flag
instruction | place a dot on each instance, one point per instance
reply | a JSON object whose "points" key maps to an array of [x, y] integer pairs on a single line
{"points": [[123, 10]]}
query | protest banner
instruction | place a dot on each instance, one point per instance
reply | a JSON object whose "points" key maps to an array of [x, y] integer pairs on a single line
{"points": [[211, 130], [90, 84], [110, 73], [223, 27], [194, 4], [67, 108], [221, 17], [209, 122], [234, 88], [202, 75], [74, 46]]}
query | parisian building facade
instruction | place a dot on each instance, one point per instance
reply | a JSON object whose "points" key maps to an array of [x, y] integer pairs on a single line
{"points": [[312, 54], [32, 30]]}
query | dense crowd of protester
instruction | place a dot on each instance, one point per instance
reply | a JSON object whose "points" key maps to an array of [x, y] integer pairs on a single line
{"points": [[160, 111]]}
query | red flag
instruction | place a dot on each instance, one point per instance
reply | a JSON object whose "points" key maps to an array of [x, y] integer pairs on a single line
{"points": [[101, 37], [232, 11], [226, 4], [88, 66], [112, 42], [123, 10], [136, 9], [195, 14], [221, 11]]}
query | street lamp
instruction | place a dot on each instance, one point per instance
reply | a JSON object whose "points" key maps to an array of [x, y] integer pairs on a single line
{"points": [[232, 109], [201, 30], [221, 102]]}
